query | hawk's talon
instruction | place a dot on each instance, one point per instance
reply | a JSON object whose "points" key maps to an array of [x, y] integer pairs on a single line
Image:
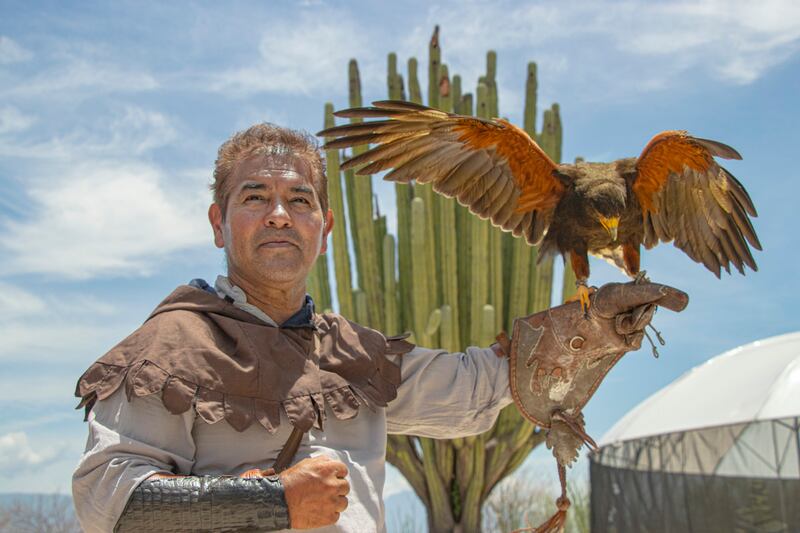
{"points": [[582, 295], [641, 277]]}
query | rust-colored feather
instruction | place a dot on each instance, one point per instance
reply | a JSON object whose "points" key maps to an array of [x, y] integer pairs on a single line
{"points": [[686, 197], [674, 192], [491, 166], [667, 153], [531, 167]]}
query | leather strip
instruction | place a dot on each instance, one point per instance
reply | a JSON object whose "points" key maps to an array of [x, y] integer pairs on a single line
{"points": [[288, 451]]}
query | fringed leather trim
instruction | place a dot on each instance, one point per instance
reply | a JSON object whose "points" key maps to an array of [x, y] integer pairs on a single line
{"points": [[144, 378]]}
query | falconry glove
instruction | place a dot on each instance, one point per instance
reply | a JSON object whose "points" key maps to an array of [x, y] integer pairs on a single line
{"points": [[558, 358]]}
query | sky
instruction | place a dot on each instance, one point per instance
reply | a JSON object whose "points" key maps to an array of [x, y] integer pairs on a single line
{"points": [[111, 115]]}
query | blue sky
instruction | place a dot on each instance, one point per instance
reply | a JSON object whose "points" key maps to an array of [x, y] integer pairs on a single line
{"points": [[110, 117]]}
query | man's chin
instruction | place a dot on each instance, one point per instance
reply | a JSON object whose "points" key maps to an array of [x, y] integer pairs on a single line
{"points": [[282, 272]]}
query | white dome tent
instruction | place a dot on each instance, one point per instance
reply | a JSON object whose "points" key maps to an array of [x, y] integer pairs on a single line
{"points": [[716, 450]]}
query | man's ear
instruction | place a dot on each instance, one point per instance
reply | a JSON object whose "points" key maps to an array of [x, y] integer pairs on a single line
{"points": [[215, 218], [326, 230]]}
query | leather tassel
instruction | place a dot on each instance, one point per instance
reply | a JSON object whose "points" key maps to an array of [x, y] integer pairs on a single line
{"points": [[557, 522]]}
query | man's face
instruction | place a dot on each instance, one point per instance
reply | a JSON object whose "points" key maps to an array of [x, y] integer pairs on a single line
{"points": [[274, 228]]}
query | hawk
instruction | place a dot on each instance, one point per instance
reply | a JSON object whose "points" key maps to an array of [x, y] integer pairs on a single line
{"points": [[673, 192]]}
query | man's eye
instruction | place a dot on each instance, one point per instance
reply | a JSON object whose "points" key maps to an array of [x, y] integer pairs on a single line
{"points": [[301, 199], [253, 197]]}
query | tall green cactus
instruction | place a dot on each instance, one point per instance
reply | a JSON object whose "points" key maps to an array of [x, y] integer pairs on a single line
{"points": [[319, 285], [362, 224], [451, 279], [341, 257], [403, 195]]}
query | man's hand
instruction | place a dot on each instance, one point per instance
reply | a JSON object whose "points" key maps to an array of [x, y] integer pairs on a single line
{"points": [[316, 492]]}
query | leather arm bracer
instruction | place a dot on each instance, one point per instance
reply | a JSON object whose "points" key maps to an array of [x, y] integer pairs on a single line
{"points": [[206, 504]]}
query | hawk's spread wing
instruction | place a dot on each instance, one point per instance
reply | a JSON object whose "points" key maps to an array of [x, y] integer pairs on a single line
{"points": [[491, 166], [686, 197]]}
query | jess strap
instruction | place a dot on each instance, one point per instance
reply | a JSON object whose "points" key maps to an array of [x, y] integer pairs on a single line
{"points": [[219, 504]]}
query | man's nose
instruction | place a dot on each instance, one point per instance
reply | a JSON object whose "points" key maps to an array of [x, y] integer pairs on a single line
{"points": [[278, 216]]}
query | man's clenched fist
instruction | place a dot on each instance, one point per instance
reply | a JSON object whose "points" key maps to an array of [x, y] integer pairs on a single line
{"points": [[316, 492]]}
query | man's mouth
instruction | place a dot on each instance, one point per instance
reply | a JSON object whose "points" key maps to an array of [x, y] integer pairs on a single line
{"points": [[277, 244]]}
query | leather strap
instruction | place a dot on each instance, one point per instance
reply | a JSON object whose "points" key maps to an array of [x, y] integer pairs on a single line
{"points": [[206, 504], [286, 454]]}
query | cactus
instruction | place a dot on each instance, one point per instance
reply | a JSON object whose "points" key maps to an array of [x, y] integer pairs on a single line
{"points": [[362, 223], [390, 302], [496, 296], [414, 92], [419, 268], [403, 194], [434, 61], [458, 281], [341, 257], [531, 88], [319, 286], [455, 97], [445, 90]]}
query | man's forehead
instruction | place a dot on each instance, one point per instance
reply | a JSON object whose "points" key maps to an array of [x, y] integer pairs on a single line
{"points": [[273, 165]]}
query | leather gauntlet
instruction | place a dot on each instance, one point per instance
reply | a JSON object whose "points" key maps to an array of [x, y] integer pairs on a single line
{"points": [[559, 357], [206, 504]]}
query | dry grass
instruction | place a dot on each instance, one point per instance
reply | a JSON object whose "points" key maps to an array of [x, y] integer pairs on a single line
{"points": [[528, 501], [41, 514], [521, 501]]}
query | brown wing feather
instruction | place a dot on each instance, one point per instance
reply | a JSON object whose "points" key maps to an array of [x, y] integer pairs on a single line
{"points": [[491, 166], [686, 197]]}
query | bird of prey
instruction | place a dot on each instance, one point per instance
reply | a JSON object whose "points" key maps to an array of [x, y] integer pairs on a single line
{"points": [[674, 191]]}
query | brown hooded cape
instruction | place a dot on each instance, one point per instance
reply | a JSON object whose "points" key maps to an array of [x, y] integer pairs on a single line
{"points": [[200, 351]]}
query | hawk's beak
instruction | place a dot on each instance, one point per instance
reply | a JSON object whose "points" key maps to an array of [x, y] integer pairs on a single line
{"points": [[611, 225]]}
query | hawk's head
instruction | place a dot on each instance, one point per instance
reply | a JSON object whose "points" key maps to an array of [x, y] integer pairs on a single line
{"points": [[603, 194]]}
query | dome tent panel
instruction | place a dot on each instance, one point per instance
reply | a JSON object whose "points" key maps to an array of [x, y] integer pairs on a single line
{"points": [[730, 465]]}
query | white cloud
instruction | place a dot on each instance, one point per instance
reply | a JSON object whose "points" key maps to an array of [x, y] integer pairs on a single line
{"points": [[16, 453], [18, 303], [308, 52], [125, 132], [51, 338], [12, 52], [131, 131], [75, 78], [91, 206], [12, 120], [102, 218], [609, 45], [737, 41], [49, 325]]}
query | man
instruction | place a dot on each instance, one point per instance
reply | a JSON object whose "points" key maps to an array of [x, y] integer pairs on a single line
{"points": [[191, 416]]}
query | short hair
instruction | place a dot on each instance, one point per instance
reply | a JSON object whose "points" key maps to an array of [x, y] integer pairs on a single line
{"points": [[266, 138]]}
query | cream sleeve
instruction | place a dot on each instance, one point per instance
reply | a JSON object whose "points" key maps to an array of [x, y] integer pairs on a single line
{"points": [[449, 395], [128, 442]]}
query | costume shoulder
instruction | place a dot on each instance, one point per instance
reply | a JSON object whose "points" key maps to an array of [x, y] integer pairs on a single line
{"points": [[372, 341], [200, 351], [182, 345]]}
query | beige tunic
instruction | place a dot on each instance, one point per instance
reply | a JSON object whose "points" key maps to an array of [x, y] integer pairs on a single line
{"points": [[441, 395]]}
